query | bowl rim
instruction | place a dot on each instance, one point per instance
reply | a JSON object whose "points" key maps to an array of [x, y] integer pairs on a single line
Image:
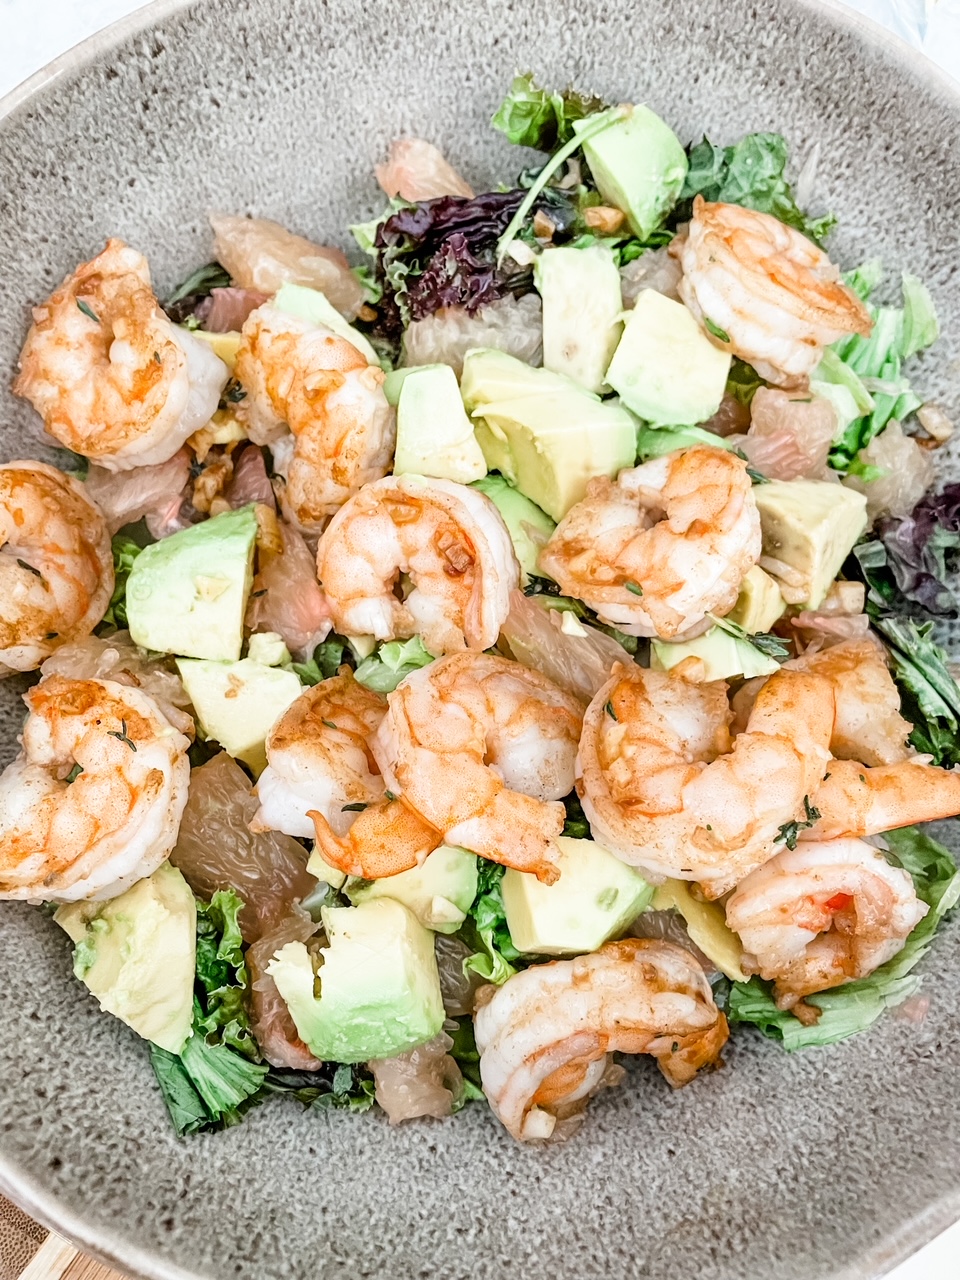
{"points": [[25, 1190]]}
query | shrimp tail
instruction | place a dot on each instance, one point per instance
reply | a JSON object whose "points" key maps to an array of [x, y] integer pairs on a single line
{"points": [[856, 800], [384, 840]]}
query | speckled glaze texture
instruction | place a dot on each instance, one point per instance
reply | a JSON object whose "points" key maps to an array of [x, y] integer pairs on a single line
{"points": [[834, 1162]]}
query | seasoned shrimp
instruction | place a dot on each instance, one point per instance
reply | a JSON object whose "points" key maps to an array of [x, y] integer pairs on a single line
{"points": [[450, 540], [777, 297], [116, 821], [483, 749], [305, 377], [56, 566], [856, 800], [819, 915], [318, 757], [545, 1036], [663, 545], [111, 376], [664, 788]]}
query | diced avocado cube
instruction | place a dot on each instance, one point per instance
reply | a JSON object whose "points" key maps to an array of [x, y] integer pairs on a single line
{"points": [[594, 899], [810, 526], [759, 603], [706, 925], [268, 648], [323, 870], [224, 345], [439, 893], [718, 656], [379, 989], [313, 306], [551, 437], [187, 593], [395, 379], [529, 527], [665, 367], [582, 306], [238, 703], [434, 435], [137, 955], [638, 165]]}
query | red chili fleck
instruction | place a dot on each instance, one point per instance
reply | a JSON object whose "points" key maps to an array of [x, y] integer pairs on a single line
{"points": [[838, 901]]}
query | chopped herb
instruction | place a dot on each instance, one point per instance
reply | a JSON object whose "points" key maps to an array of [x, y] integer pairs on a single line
{"points": [[720, 334], [88, 311], [233, 393], [770, 646], [611, 713], [790, 831], [122, 735], [329, 724], [156, 356], [757, 477], [353, 808], [51, 635], [390, 796], [633, 587], [29, 568], [255, 595], [74, 773], [211, 276]]}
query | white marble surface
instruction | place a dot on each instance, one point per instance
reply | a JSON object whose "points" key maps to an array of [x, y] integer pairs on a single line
{"points": [[34, 31]]}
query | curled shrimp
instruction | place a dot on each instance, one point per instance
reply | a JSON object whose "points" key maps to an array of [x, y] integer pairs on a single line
{"points": [[450, 540], [67, 834], [664, 787], [545, 1036], [822, 914], [305, 377], [775, 298], [111, 376], [318, 758], [663, 545], [483, 749], [56, 566], [854, 799]]}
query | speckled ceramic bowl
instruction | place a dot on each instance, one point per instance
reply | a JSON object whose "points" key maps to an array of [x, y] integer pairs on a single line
{"points": [[835, 1162]]}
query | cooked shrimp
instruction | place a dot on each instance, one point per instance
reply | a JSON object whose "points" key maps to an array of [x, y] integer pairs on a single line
{"points": [[305, 377], [868, 725], [56, 566], [386, 838], [777, 297], [483, 749], [111, 376], [546, 1034], [664, 788], [63, 840], [856, 800], [663, 545], [821, 914], [450, 540], [318, 757]]}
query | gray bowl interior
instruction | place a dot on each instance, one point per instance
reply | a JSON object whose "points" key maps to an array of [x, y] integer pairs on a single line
{"points": [[834, 1162]]}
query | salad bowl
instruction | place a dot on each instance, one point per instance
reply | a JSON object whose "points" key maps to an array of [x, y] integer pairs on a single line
{"points": [[832, 1162]]}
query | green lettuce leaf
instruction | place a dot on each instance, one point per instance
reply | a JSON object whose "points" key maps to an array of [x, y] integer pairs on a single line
{"points": [[533, 117], [929, 695], [486, 928], [750, 173], [855, 1006], [898, 333], [335, 1085], [125, 551], [384, 670], [467, 1057], [222, 978], [575, 824], [326, 661], [653, 442], [222, 1077]]}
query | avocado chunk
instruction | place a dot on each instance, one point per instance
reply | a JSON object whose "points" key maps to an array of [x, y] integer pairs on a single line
{"points": [[551, 437], [238, 703], [224, 345], [323, 871], [268, 648], [665, 367], [594, 899], [759, 603], [313, 306], [379, 989], [582, 306], [137, 955], [654, 442], [718, 655], [638, 165], [434, 435], [529, 527], [187, 593], [706, 925], [439, 893], [810, 527]]}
